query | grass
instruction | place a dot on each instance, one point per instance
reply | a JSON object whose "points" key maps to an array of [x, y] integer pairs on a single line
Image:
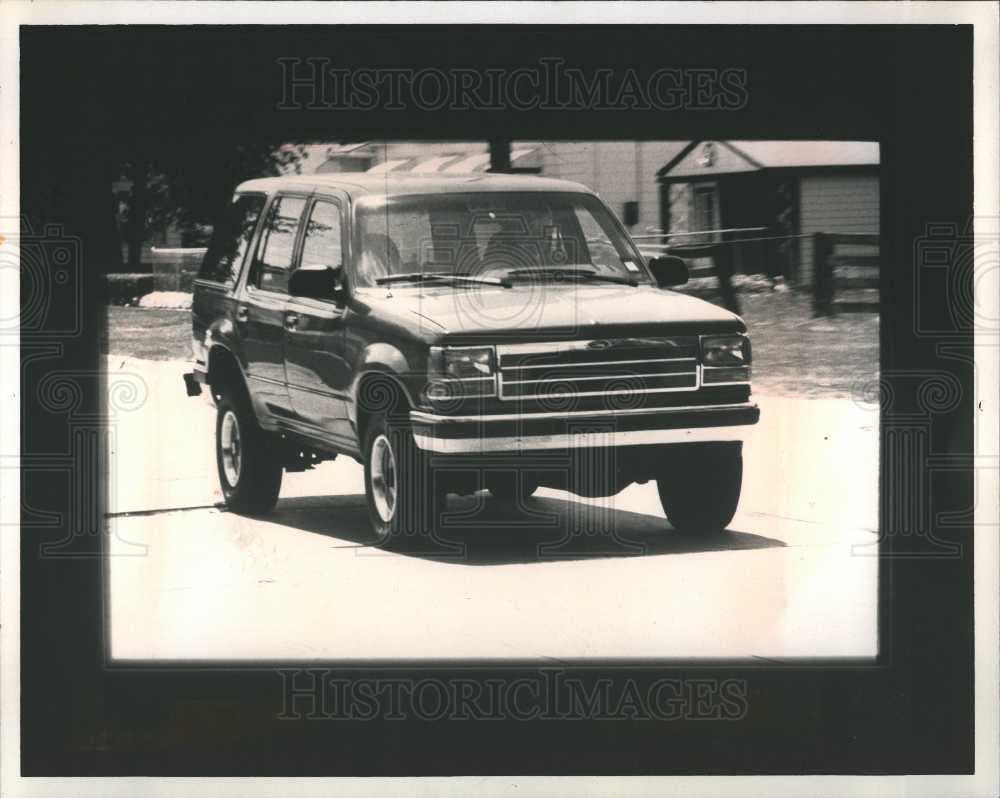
{"points": [[150, 334], [793, 353], [797, 355]]}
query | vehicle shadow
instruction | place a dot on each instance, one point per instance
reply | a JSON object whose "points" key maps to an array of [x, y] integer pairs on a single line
{"points": [[477, 530]]}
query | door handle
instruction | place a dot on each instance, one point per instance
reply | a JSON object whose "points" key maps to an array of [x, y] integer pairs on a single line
{"points": [[291, 320], [242, 314]]}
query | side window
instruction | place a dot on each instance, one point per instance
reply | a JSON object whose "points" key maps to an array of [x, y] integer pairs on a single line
{"points": [[323, 236], [277, 245], [231, 239]]}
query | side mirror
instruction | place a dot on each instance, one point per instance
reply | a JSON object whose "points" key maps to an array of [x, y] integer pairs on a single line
{"points": [[317, 281], [668, 270]]}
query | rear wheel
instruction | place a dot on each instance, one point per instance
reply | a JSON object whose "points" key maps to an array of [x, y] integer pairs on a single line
{"points": [[700, 487], [399, 488], [249, 473]]}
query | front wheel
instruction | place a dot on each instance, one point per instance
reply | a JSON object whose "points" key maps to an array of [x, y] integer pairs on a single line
{"points": [[700, 487], [402, 499], [249, 474]]}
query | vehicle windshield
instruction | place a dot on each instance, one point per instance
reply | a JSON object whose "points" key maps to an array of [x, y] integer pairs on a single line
{"points": [[510, 235]]}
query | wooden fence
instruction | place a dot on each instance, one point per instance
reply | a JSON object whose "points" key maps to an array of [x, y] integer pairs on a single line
{"points": [[833, 271]]}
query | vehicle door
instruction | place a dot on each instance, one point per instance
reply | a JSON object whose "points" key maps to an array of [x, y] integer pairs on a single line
{"points": [[216, 287], [316, 368], [260, 315]]}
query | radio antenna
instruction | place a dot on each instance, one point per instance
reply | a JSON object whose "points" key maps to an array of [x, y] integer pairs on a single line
{"points": [[385, 157]]}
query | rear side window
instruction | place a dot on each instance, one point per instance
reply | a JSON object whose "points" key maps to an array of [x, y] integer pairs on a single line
{"points": [[277, 245], [323, 241], [231, 240]]}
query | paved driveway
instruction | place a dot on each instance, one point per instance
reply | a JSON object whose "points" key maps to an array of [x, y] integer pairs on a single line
{"points": [[563, 578]]}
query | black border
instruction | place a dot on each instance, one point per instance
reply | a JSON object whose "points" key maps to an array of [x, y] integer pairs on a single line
{"points": [[87, 92]]}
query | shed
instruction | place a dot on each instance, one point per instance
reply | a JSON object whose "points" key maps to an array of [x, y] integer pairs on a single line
{"points": [[790, 188]]}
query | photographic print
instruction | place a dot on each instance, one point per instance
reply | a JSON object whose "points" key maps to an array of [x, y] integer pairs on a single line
{"points": [[552, 381], [524, 398]]}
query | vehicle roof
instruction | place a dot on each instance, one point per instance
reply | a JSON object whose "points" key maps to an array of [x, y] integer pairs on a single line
{"points": [[359, 184]]}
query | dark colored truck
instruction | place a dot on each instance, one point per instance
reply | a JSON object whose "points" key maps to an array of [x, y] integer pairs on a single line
{"points": [[461, 333]]}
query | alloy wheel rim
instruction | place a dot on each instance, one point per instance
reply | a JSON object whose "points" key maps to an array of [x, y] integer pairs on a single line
{"points": [[230, 445], [384, 483]]}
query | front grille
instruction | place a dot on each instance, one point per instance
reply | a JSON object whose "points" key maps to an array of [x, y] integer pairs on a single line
{"points": [[622, 366]]}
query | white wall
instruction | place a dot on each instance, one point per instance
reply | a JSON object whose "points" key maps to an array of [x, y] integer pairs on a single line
{"points": [[836, 204], [619, 171]]}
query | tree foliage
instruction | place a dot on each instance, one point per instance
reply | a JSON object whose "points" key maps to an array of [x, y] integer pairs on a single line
{"points": [[189, 182]]}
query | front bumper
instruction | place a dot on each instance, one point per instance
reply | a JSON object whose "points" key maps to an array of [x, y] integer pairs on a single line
{"points": [[505, 433]]}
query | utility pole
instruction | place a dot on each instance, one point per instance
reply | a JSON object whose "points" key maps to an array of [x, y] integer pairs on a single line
{"points": [[137, 207], [499, 155]]}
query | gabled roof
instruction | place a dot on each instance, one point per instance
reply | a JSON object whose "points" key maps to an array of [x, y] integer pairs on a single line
{"points": [[705, 158], [781, 154]]}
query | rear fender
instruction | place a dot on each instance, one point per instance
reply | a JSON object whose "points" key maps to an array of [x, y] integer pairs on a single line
{"points": [[221, 332], [219, 352]]}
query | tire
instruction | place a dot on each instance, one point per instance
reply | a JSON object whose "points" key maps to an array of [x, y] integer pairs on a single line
{"points": [[249, 474], [503, 487], [402, 498], [700, 487]]}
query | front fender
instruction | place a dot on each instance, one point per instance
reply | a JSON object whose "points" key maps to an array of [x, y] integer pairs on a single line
{"points": [[389, 360]]}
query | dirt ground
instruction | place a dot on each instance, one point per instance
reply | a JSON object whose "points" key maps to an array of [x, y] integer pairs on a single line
{"points": [[793, 353]]}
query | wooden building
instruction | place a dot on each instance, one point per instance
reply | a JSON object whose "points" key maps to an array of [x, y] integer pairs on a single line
{"points": [[790, 188]]}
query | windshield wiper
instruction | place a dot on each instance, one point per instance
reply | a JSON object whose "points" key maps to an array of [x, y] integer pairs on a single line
{"points": [[422, 277], [558, 272]]}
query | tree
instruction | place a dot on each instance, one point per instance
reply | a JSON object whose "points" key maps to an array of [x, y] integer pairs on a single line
{"points": [[138, 172], [187, 182]]}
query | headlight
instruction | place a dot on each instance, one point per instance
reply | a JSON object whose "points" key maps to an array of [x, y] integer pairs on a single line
{"points": [[725, 358], [461, 371]]}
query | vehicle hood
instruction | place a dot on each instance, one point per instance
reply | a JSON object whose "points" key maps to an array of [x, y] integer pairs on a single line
{"points": [[535, 311]]}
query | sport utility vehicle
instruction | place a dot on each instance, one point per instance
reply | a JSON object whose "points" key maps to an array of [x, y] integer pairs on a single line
{"points": [[456, 333]]}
